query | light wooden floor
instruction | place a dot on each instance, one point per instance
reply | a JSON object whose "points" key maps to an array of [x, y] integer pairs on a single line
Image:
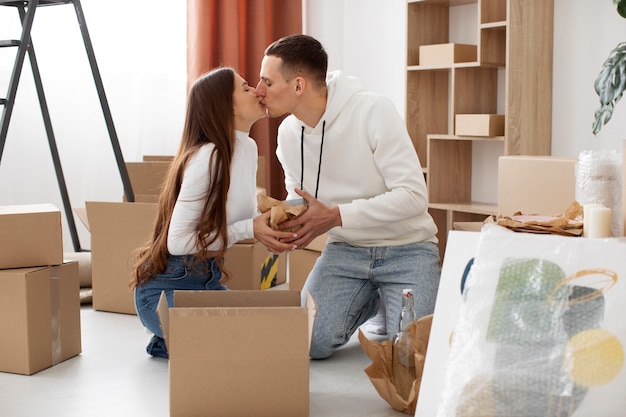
{"points": [[113, 376]]}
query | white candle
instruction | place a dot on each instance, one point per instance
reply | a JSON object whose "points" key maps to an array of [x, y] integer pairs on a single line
{"points": [[597, 221], [587, 217]]}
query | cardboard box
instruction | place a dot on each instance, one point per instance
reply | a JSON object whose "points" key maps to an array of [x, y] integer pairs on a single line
{"points": [[302, 261], [30, 235], [479, 124], [39, 317], [147, 179], [447, 53], [117, 230], [253, 267], [238, 353], [161, 158], [541, 185]]}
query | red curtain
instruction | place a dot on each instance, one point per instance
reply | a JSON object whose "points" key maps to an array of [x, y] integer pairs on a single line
{"points": [[235, 33]]}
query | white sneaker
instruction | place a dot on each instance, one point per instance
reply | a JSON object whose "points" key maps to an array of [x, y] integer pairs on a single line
{"points": [[378, 323]]}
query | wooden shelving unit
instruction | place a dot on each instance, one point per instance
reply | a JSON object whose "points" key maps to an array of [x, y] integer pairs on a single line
{"points": [[512, 35]]}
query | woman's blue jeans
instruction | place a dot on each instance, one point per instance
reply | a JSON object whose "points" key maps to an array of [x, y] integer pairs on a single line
{"points": [[344, 284], [179, 274]]}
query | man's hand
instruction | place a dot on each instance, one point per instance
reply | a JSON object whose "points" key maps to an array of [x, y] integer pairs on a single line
{"points": [[318, 219], [275, 241]]}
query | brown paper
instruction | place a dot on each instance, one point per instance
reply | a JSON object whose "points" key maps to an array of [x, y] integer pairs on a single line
{"points": [[280, 211], [569, 223], [379, 372]]}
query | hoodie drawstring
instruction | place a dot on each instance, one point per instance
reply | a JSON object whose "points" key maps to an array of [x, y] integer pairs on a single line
{"points": [[319, 166]]}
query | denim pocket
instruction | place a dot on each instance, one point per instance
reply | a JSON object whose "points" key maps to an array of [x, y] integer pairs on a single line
{"points": [[173, 273]]}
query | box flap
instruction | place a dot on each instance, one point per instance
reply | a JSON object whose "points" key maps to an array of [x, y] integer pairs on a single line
{"points": [[312, 311], [237, 298], [81, 212], [318, 244], [147, 177], [128, 217], [162, 158], [163, 312]]}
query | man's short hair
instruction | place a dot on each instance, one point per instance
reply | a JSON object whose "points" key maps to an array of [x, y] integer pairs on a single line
{"points": [[301, 55]]}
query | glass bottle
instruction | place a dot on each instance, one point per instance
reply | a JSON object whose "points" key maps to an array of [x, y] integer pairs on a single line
{"points": [[403, 348]]}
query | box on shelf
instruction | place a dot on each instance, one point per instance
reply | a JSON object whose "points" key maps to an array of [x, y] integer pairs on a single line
{"points": [[253, 267], [301, 261], [248, 349], [541, 185], [39, 317], [479, 125], [447, 53], [117, 230], [30, 235]]}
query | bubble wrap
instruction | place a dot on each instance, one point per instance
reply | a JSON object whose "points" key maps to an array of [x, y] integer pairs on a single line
{"points": [[527, 302]]}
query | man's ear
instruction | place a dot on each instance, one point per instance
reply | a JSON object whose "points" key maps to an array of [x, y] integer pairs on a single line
{"points": [[299, 84]]}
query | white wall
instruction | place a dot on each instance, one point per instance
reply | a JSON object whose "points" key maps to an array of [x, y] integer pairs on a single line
{"points": [[364, 38], [141, 45], [584, 34]]}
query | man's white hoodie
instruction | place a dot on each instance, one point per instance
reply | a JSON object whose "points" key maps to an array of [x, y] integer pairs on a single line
{"points": [[367, 166]]}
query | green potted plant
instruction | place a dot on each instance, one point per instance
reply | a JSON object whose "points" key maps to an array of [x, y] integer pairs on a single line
{"points": [[611, 82]]}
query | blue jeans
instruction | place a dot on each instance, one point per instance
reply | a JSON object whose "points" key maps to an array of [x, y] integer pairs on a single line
{"points": [[178, 275], [344, 284]]}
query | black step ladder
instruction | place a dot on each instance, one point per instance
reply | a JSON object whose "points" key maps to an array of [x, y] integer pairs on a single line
{"points": [[26, 10]]}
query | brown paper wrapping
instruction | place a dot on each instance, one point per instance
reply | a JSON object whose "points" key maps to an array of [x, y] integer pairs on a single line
{"points": [[379, 372], [280, 211], [569, 223]]}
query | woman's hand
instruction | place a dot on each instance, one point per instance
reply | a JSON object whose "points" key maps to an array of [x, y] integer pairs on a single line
{"points": [[275, 241]]}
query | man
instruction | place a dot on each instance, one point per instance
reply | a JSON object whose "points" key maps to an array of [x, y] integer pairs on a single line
{"points": [[347, 153]]}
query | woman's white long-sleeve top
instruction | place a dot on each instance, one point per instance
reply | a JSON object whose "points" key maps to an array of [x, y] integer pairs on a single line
{"points": [[241, 206]]}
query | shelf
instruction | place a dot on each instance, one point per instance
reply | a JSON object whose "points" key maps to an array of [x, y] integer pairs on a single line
{"points": [[452, 66], [511, 76], [472, 207], [470, 138], [493, 25]]}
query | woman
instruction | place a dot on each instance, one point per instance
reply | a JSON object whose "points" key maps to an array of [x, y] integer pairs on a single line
{"points": [[208, 201]]}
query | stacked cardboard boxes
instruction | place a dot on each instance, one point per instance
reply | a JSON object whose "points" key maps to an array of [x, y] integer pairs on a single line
{"points": [[39, 292]]}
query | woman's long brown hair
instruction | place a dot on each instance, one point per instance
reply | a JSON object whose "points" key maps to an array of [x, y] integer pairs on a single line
{"points": [[209, 118]]}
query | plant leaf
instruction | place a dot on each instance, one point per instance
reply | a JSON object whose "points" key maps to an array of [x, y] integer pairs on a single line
{"points": [[610, 85], [621, 7]]}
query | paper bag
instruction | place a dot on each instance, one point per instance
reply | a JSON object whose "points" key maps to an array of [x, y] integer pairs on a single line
{"points": [[379, 372]]}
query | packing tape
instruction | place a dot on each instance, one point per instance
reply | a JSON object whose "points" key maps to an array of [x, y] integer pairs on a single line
{"points": [[269, 271], [55, 314]]}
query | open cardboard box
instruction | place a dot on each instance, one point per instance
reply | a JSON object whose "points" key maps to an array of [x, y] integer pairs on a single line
{"points": [[117, 230], [238, 353]]}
